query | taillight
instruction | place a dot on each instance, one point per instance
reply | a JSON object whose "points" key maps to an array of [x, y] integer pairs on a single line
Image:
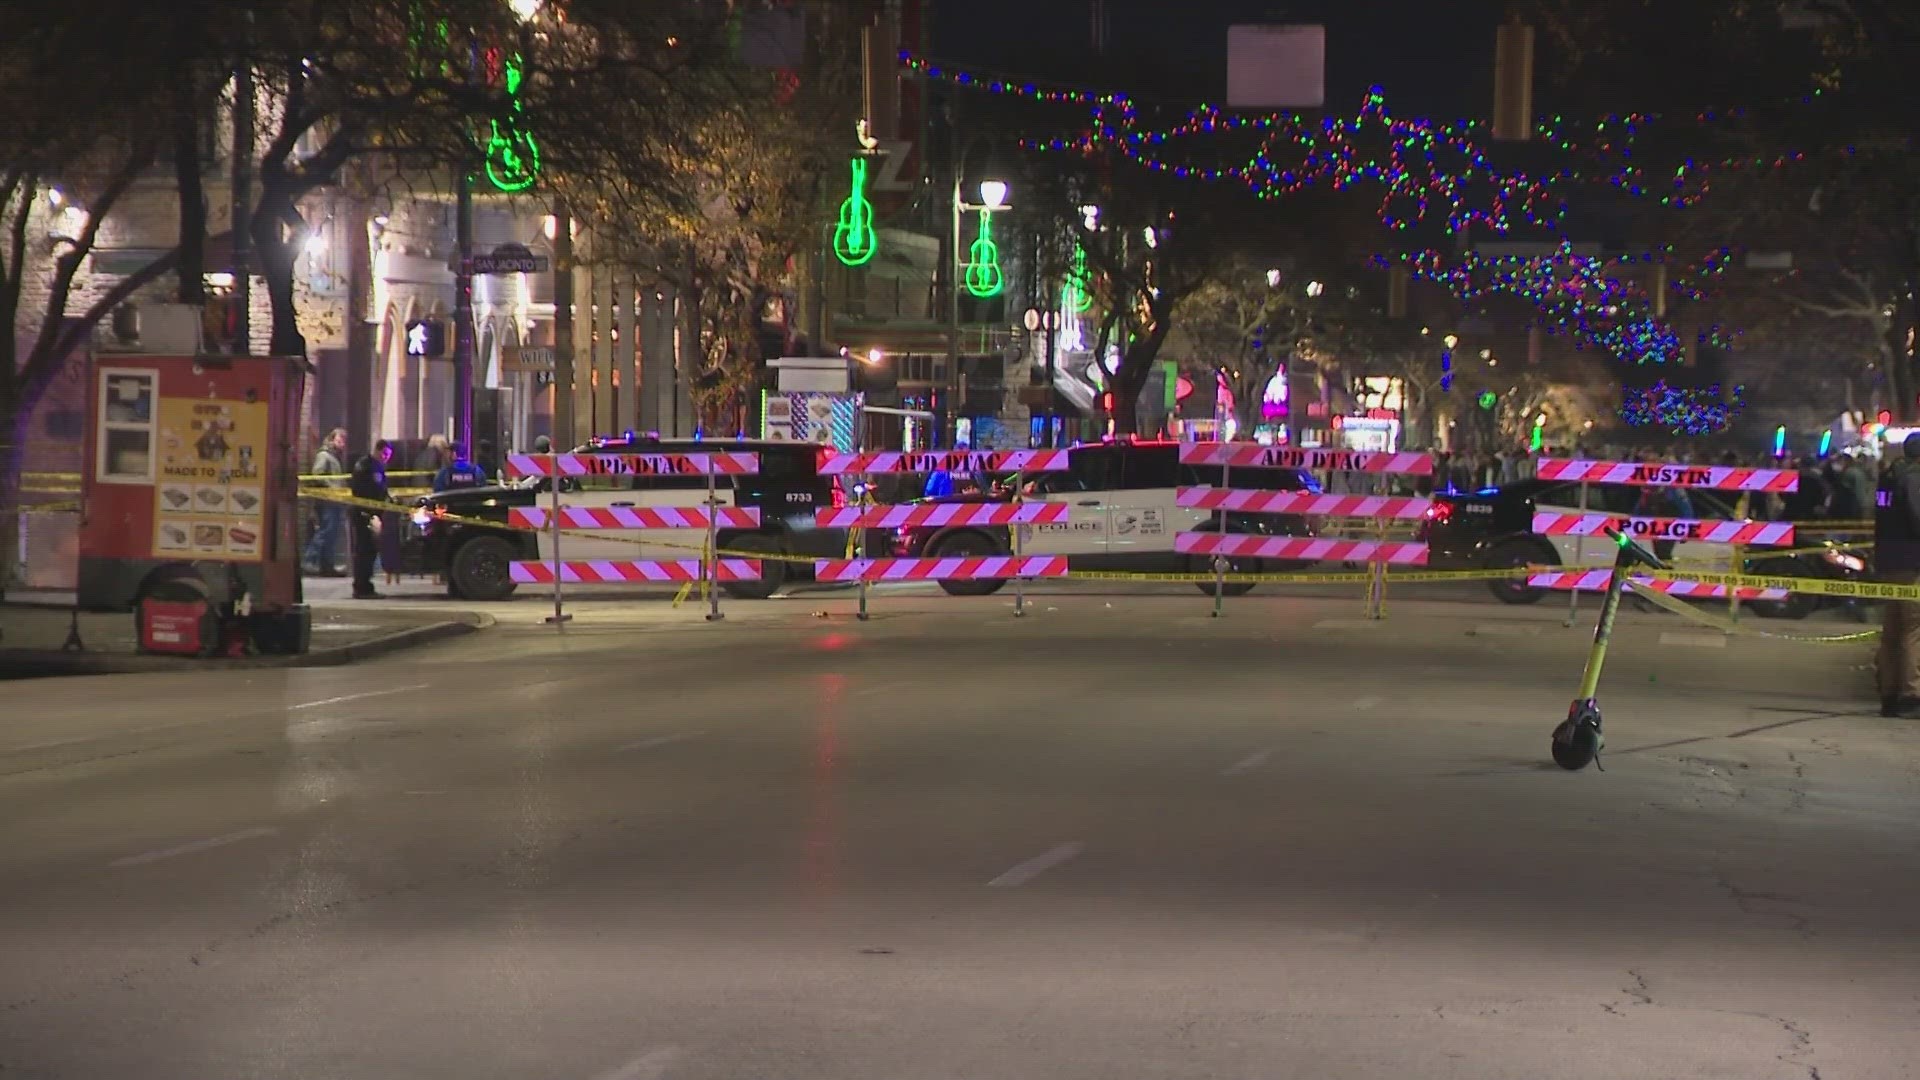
{"points": [[1439, 513]]}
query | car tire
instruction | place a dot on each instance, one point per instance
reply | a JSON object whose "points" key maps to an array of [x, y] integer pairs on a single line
{"points": [[773, 572], [967, 545], [1202, 564], [482, 569], [1511, 553]]}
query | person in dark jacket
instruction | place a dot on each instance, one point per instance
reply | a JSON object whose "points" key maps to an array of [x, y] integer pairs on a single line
{"points": [[368, 482], [1896, 554], [461, 473], [391, 525]]}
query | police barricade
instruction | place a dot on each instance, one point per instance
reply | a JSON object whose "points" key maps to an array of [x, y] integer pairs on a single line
{"points": [[942, 515], [1223, 545], [1737, 479], [709, 569], [1596, 581]]}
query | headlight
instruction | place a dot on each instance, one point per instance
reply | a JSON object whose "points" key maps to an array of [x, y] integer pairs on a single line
{"points": [[1845, 561], [422, 517]]}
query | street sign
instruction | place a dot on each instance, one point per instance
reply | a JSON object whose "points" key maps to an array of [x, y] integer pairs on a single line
{"points": [[527, 358], [508, 259]]}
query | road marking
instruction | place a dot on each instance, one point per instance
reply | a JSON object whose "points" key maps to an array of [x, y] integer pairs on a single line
{"points": [[651, 1065], [1367, 702], [191, 848], [1038, 865], [1704, 639], [356, 697], [658, 741], [1247, 764]]}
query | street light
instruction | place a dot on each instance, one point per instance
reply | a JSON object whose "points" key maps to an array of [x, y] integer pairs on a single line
{"points": [[993, 194], [1273, 279], [980, 271]]}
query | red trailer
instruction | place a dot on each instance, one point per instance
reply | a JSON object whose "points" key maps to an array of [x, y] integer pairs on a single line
{"points": [[190, 490]]}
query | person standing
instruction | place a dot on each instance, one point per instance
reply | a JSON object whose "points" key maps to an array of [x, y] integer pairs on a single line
{"points": [[391, 522], [461, 473], [1852, 498], [432, 457], [369, 483], [1896, 559], [325, 542]]}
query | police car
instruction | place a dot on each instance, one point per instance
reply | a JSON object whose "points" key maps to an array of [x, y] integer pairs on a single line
{"points": [[1123, 516], [1494, 528], [455, 537]]}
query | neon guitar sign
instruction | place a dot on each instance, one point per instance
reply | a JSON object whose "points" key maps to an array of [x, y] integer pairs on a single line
{"points": [[853, 239], [513, 156], [984, 278]]}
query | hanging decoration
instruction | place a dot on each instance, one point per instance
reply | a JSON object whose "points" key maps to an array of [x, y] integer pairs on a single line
{"points": [[513, 155], [1680, 411], [1077, 295], [984, 278], [854, 241]]}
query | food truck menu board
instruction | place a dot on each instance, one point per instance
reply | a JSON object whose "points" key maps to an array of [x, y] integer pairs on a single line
{"points": [[210, 491]]}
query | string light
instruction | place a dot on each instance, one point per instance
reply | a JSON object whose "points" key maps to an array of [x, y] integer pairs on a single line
{"points": [[1682, 412]]}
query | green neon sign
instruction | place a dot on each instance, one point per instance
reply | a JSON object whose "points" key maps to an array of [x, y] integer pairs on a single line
{"points": [[1488, 399], [513, 156], [1077, 297], [854, 241], [984, 278]]}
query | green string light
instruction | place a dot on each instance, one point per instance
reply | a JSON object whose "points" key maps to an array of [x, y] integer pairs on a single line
{"points": [[854, 242]]}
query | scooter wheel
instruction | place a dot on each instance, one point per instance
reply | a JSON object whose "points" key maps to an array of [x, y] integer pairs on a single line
{"points": [[1578, 750]]}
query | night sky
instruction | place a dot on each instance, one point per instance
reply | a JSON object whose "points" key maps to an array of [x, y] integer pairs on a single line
{"points": [[1432, 58]]}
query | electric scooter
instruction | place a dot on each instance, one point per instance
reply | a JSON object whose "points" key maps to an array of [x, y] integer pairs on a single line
{"points": [[1578, 739]]}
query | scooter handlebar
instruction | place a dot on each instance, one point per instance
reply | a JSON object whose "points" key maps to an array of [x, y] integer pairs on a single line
{"points": [[1633, 551]]}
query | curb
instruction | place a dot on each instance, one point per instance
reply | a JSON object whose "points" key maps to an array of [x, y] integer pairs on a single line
{"points": [[47, 663]]}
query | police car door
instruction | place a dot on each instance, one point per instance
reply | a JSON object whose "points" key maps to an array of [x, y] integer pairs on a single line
{"points": [[596, 492], [1566, 499], [1708, 507], [1085, 490], [1142, 518]]}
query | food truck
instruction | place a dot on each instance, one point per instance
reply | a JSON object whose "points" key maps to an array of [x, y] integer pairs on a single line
{"points": [[189, 497]]}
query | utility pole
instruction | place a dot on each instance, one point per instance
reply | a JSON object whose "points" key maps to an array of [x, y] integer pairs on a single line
{"points": [[241, 214], [564, 436], [463, 312]]}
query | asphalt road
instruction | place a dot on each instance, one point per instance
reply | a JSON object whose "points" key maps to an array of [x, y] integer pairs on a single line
{"points": [[1115, 839]]}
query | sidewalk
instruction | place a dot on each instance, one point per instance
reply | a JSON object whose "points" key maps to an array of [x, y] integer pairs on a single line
{"points": [[33, 636]]}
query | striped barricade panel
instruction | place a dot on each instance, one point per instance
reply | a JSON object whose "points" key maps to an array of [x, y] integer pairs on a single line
{"points": [[1240, 455], [940, 515], [999, 567], [1715, 477], [1596, 581], [1301, 502], [634, 517], [960, 461], [716, 462], [632, 571], [1304, 548], [1751, 533]]}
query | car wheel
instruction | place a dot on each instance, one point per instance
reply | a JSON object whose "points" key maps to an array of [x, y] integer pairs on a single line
{"points": [[968, 545], [1511, 553], [773, 572], [482, 569], [1202, 564]]}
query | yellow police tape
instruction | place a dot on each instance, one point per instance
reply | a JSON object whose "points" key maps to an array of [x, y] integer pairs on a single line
{"points": [[1728, 626], [1816, 586]]}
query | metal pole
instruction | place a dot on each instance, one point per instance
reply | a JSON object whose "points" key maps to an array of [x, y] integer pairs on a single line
{"points": [[1220, 561], [866, 502], [1737, 564], [559, 617], [1053, 331], [713, 550], [241, 220], [1019, 583], [463, 314], [564, 435], [953, 318], [1579, 559]]}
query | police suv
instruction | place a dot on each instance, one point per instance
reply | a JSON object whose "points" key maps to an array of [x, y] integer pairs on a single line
{"points": [[1493, 528], [456, 535], [1123, 515]]}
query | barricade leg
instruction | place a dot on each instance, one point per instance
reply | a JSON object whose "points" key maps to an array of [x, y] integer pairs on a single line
{"points": [[713, 551], [1579, 559], [1739, 566], [859, 537], [1220, 561], [559, 617], [1019, 584]]}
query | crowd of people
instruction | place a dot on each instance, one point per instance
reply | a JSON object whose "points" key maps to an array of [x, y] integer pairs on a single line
{"points": [[374, 536]]}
